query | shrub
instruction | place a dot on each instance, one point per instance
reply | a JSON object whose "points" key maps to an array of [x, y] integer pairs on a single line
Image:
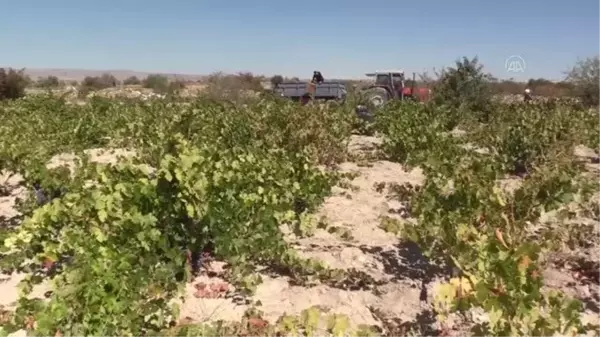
{"points": [[233, 87], [99, 82], [176, 86], [12, 83], [276, 80], [466, 87], [132, 80], [240, 81], [92, 83], [48, 82], [248, 81], [156, 82], [584, 77]]}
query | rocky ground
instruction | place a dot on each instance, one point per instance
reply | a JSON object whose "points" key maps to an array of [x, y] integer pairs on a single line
{"points": [[350, 236]]}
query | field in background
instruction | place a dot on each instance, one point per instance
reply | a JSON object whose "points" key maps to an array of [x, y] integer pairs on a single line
{"points": [[64, 79]]}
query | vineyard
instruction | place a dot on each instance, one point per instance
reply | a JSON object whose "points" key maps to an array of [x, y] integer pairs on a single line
{"points": [[200, 216]]}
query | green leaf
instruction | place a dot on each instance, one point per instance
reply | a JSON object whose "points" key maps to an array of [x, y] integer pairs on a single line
{"points": [[102, 215], [98, 234]]}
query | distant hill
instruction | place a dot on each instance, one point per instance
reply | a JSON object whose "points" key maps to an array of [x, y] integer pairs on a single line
{"points": [[80, 74]]}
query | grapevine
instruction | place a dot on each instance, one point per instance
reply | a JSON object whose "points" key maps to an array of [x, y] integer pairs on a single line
{"points": [[470, 223], [210, 180]]}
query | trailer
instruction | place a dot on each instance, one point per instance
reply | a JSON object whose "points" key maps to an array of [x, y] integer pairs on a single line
{"points": [[306, 91]]}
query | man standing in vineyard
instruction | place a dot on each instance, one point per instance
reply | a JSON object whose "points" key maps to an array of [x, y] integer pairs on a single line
{"points": [[527, 95]]}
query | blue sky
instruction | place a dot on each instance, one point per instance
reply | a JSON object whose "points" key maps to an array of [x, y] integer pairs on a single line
{"points": [[342, 38]]}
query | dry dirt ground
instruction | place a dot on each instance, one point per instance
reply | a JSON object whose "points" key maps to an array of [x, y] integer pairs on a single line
{"points": [[404, 294]]}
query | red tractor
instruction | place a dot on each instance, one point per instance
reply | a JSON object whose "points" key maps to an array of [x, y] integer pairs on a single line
{"points": [[388, 85]]}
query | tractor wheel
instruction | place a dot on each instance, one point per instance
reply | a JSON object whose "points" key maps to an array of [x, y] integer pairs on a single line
{"points": [[377, 96]]}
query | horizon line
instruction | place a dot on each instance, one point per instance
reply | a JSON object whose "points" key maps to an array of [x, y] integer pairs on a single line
{"points": [[191, 74]]}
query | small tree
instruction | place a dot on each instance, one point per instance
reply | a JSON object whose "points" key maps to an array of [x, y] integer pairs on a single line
{"points": [[132, 80], [98, 83], [156, 82], [466, 87], [48, 82], [176, 86], [248, 81], [585, 78], [108, 80], [276, 80], [12, 83], [92, 83], [238, 87]]}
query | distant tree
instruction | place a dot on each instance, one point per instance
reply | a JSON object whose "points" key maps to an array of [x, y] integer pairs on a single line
{"points": [[585, 78], [533, 82], [93, 83], [99, 82], [465, 87], [132, 80], [276, 80], [508, 87], [176, 86], [12, 83], [156, 82], [48, 82], [233, 87], [28, 80], [564, 86], [109, 80], [248, 81]]}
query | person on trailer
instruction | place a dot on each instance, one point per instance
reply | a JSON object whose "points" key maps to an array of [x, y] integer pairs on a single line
{"points": [[317, 77], [527, 95], [312, 86]]}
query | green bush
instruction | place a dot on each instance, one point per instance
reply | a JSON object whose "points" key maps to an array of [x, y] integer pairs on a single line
{"points": [[238, 88], [48, 82], [585, 77], [276, 80], [466, 88], [99, 82], [12, 83], [175, 86], [132, 80], [93, 83], [158, 83]]}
